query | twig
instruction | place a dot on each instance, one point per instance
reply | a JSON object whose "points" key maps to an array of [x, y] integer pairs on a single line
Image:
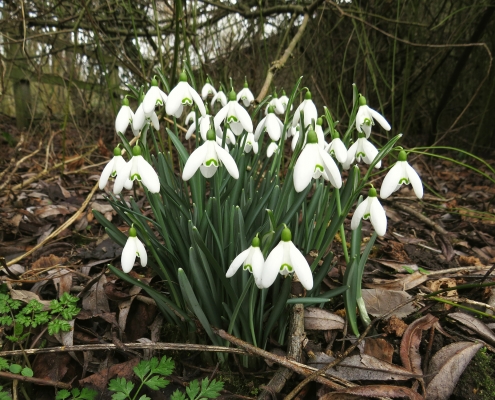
{"points": [[17, 164], [111, 346], [278, 64], [68, 223], [421, 217], [460, 269], [36, 381]]}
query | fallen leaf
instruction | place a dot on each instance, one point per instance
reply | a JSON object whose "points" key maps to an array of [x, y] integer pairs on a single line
{"points": [[375, 391], [475, 325], [409, 346], [101, 378], [447, 366], [26, 296], [404, 282], [379, 348], [96, 301], [62, 279], [380, 302], [48, 262], [395, 325], [321, 320], [398, 266], [125, 305], [51, 367], [470, 261]]}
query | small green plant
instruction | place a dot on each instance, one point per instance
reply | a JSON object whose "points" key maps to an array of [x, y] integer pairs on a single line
{"points": [[14, 369], [84, 394], [152, 373]]}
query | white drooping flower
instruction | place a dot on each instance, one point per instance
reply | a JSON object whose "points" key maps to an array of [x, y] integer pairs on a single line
{"points": [[401, 173], [124, 117], [245, 95], [361, 150], [277, 105], [319, 135], [204, 126], [336, 148], [208, 90], [191, 117], [208, 157], [285, 259], [308, 108], [235, 115], [154, 96], [251, 259], [181, 95], [141, 118], [251, 144], [271, 149], [285, 101], [314, 162], [137, 168], [364, 118], [272, 124], [219, 98], [373, 210], [133, 247], [113, 168]]}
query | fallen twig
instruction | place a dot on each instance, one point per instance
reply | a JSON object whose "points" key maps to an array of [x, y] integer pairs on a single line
{"points": [[36, 381]]}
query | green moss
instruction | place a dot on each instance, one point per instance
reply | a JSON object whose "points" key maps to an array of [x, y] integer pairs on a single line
{"points": [[478, 381]]}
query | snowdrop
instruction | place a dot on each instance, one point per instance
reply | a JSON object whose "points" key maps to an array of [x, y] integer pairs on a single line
{"points": [[319, 135], [219, 98], [181, 95], [285, 259], [271, 149], [137, 168], [141, 118], [208, 157], [308, 108], [285, 101], [272, 124], [245, 95], [401, 173], [336, 148], [251, 259], [208, 90], [251, 144], [153, 97], [235, 115], [361, 150], [133, 247], [373, 210], [113, 168], [314, 162], [124, 117], [277, 105], [364, 118]]}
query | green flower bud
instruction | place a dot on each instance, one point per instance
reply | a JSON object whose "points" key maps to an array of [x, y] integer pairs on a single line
{"points": [[125, 101], [271, 110], [183, 76], [319, 121], [154, 82], [307, 96], [232, 95]]}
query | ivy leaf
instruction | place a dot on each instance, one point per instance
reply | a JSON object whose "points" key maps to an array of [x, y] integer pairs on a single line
{"points": [[156, 382], [62, 394], [178, 395], [15, 368], [27, 372]]}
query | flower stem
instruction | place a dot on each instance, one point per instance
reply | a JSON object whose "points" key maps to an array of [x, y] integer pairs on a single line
{"points": [[342, 230]]}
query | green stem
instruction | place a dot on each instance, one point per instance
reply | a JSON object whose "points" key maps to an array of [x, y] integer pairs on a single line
{"points": [[481, 313], [342, 230]]}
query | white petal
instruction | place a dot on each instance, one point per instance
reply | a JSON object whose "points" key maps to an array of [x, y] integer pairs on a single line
{"points": [[272, 265], [380, 119], [122, 177], [378, 217], [191, 117], [107, 171], [392, 180], [155, 122], [371, 151], [190, 131], [331, 169], [255, 147], [152, 97], [243, 117], [259, 129], [148, 175], [272, 127], [128, 184], [227, 161], [238, 261], [359, 214], [310, 112], [415, 180], [194, 161], [198, 100], [221, 115], [174, 101], [257, 262], [129, 254], [278, 106], [139, 119], [297, 114], [339, 150], [236, 127], [272, 148], [301, 267], [208, 172], [143, 256], [123, 119], [207, 90], [361, 115], [305, 167]]}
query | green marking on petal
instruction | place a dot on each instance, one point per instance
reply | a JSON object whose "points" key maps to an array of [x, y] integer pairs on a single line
{"points": [[360, 154], [366, 216], [367, 121], [286, 267], [135, 176], [232, 118], [318, 166], [404, 180], [187, 101], [248, 268], [211, 162]]}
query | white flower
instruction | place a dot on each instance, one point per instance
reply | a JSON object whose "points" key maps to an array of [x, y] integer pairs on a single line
{"points": [[319, 135], [364, 118], [124, 117], [285, 259], [292, 131], [245, 95], [285, 101], [181, 95], [208, 90], [219, 97], [337, 148], [399, 174], [113, 168], [277, 105], [309, 110], [235, 115], [208, 158], [271, 149], [251, 259], [137, 168], [140, 119], [133, 247], [204, 127], [372, 209], [314, 162], [361, 150], [191, 117], [272, 124], [153, 97], [251, 144]]}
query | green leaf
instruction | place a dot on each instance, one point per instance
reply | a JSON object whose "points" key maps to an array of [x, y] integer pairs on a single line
{"points": [[210, 390], [119, 396], [423, 271], [165, 367], [27, 372], [178, 395], [4, 395], [142, 369], [193, 389], [144, 397], [120, 385], [62, 394], [4, 364], [409, 270], [88, 394], [15, 368], [156, 382], [75, 392]]}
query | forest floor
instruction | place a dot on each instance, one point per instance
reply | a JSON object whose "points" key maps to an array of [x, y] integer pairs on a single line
{"points": [[53, 244]]}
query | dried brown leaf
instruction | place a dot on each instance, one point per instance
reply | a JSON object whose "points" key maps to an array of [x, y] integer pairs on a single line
{"points": [[379, 348], [101, 378], [48, 262], [447, 366], [323, 320], [96, 301], [376, 391], [475, 325], [379, 302], [395, 325], [409, 346], [404, 282]]}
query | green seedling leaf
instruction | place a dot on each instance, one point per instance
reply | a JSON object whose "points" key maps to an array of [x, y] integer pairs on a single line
{"points": [[178, 395], [27, 372], [62, 394], [4, 364], [193, 389], [409, 270], [210, 390], [144, 397], [121, 386], [165, 367], [143, 368], [88, 394], [423, 271], [156, 382], [15, 368]]}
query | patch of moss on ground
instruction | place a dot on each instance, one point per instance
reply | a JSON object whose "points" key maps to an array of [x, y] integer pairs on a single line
{"points": [[477, 382]]}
